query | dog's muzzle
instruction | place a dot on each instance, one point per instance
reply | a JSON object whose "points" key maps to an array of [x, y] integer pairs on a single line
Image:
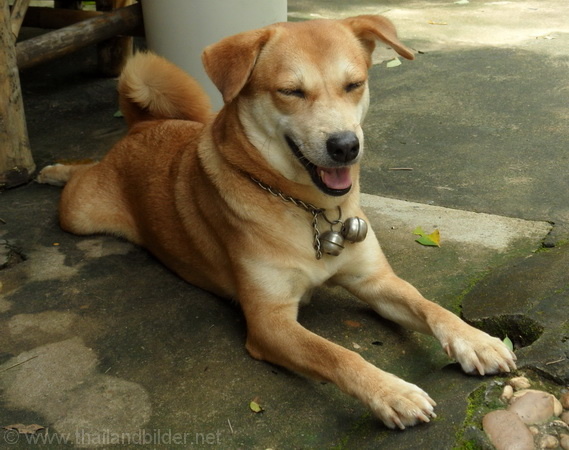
{"points": [[343, 149]]}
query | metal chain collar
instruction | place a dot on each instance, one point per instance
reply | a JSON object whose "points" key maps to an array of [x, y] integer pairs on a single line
{"points": [[316, 212]]}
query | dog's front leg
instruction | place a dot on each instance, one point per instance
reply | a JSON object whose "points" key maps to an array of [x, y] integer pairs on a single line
{"points": [[396, 300], [274, 335]]}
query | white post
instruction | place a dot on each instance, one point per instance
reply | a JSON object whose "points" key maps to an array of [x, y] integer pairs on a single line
{"points": [[179, 30]]}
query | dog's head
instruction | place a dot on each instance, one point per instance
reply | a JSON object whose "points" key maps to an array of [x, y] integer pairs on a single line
{"points": [[302, 93]]}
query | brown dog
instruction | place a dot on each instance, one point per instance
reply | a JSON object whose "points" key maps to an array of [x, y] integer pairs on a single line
{"points": [[227, 201]]}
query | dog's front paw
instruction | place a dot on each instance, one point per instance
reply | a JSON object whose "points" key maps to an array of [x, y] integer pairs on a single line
{"points": [[478, 352], [400, 404]]}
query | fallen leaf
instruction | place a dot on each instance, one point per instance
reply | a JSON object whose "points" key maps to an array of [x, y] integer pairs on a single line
{"points": [[356, 346], [431, 240], [418, 231], [394, 63], [255, 407], [427, 241], [352, 323], [25, 429], [118, 114], [508, 343]]}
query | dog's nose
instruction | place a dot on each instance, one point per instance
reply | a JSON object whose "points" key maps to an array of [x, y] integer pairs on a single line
{"points": [[343, 147]]}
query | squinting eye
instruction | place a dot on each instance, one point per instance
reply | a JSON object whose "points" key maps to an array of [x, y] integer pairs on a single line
{"points": [[353, 86], [292, 93]]}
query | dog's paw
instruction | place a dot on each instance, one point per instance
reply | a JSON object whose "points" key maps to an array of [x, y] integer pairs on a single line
{"points": [[400, 404], [53, 175], [480, 353]]}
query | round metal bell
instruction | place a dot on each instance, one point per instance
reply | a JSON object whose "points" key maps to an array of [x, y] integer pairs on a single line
{"points": [[331, 242], [354, 229]]}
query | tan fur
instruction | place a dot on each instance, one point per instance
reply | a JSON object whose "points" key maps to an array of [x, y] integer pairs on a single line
{"points": [[183, 189], [148, 95]]}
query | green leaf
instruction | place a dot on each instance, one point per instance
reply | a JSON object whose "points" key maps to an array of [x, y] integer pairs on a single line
{"points": [[255, 407], [118, 114], [394, 63], [426, 240], [431, 240], [508, 343]]}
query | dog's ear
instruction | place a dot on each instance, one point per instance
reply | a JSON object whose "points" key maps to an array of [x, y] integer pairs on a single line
{"points": [[229, 62], [368, 29]]}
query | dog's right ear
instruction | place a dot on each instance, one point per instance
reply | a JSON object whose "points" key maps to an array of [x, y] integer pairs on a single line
{"points": [[229, 63]]}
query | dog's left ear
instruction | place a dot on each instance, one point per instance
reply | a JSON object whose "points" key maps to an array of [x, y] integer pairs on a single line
{"points": [[370, 28], [229, 62]]}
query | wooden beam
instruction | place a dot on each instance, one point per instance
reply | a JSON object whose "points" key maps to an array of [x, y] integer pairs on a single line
{"points": [[16, 162], [61, 42], [17, 16]]}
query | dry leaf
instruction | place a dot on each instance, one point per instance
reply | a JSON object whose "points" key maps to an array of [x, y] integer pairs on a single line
{"points": [[25, 429], [352, 323]]}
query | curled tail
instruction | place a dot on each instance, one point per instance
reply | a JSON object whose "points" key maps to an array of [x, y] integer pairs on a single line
{"points": [[151, 88]]}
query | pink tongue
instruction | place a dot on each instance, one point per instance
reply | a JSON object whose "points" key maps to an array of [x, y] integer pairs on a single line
{"points": [[336, 178]]}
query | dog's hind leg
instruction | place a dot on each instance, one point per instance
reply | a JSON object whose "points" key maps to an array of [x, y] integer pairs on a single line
{"points": [[60, 174], [91, 202]]}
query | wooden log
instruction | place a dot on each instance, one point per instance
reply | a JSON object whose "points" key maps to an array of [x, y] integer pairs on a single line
{"points": [[113, 53], [55, 44], [16, 162], [17, 16]]}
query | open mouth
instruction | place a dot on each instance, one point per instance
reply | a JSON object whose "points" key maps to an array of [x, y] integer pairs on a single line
{"points": [[334, 181]]}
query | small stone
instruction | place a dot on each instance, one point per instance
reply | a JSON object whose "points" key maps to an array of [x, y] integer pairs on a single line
{"points": [[564, 441], [564, 400], [506, 431], [507, 393], [532, 406], [548, 441], [560, 424], [519, 383], [534, 430], [565, 417]]}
